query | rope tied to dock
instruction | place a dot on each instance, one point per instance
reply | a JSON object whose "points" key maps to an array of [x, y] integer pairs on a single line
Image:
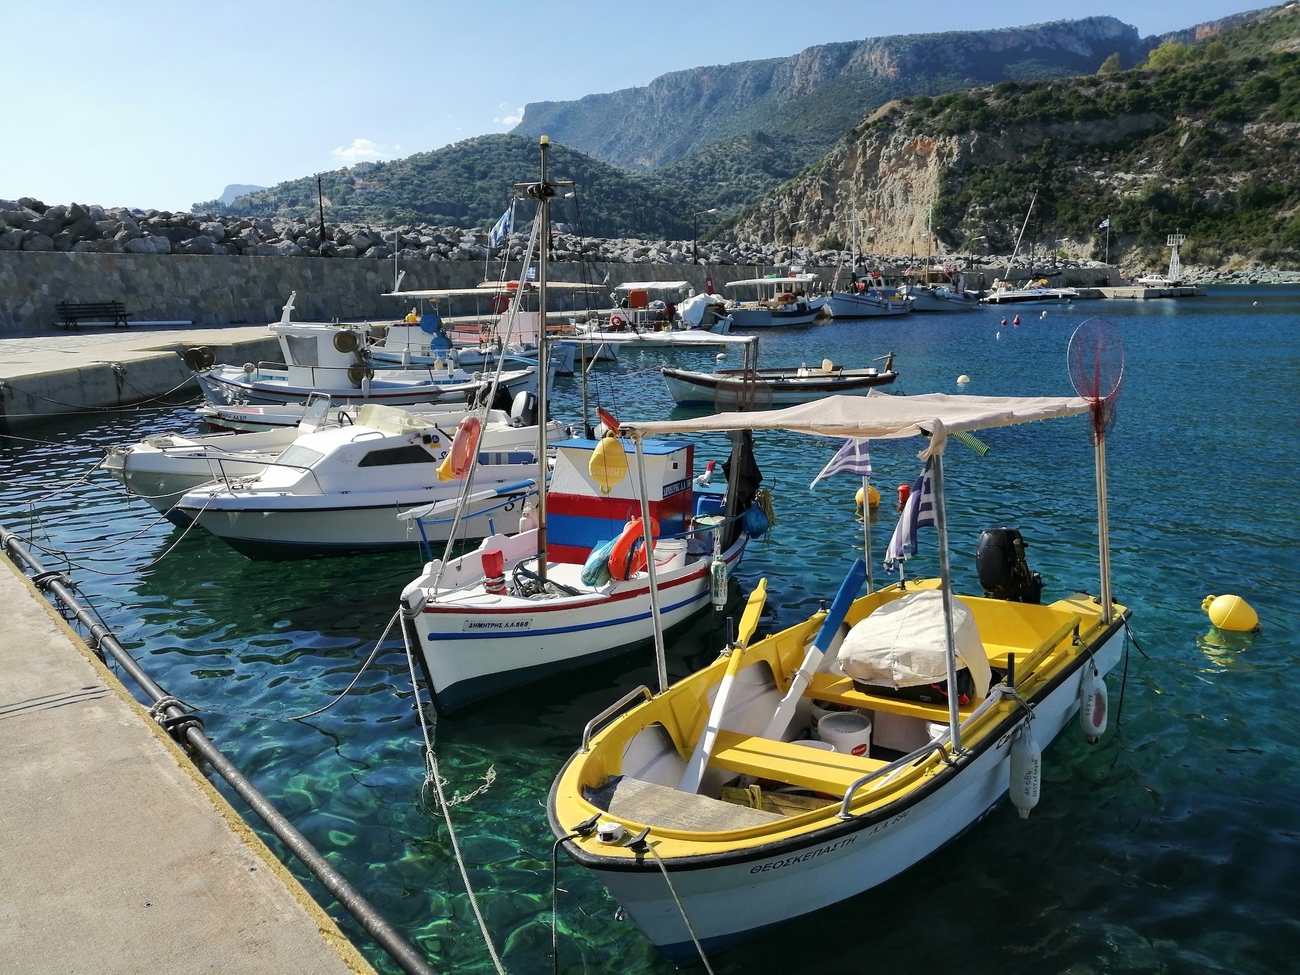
{"points": [[428, 729]]}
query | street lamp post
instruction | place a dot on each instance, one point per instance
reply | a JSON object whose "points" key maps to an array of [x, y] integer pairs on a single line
{"points": [[695, 233]]}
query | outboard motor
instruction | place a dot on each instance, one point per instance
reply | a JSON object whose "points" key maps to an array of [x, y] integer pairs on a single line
{"points": [[523, 411], [1003, 572]]}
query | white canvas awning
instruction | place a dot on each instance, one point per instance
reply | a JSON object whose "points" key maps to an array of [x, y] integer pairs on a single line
{"points": [[489, 288], [653, 286], [880, 416]]}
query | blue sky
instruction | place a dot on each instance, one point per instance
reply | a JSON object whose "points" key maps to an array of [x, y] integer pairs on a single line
{"points": [[161, 103]]}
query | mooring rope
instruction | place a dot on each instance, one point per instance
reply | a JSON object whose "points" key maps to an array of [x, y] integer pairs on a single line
{"points": [[690, 928], [431, 774]]}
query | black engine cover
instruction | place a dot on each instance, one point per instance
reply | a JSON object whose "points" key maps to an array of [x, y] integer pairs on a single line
{"points": [[1003, 571]]}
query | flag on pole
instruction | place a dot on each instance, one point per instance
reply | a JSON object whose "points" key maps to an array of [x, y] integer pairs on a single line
{"points": [[1104, 224], [918, 512], [852, 458], [531, 274], [503, 227]]}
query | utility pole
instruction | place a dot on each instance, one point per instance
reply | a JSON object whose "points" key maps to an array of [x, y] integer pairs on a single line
{"points": [[320, 202]]}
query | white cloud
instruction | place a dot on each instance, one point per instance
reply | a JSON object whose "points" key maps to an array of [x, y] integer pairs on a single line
{"points": [[510, 118], [363, 150]]}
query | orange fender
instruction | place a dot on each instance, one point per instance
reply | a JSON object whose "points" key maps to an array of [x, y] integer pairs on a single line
{"points": [[627, 557], [464, 446]]}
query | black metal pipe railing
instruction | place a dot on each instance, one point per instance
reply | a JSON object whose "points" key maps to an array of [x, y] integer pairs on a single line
{"points": [[189, 731]]}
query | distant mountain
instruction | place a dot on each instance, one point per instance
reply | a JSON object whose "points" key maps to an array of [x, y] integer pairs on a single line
{"points": [[1203, 140], [809, 99], [237, 189], [469, 184]]}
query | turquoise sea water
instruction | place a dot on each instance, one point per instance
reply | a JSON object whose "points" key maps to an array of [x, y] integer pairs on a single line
{"points": [[1171, 846]]}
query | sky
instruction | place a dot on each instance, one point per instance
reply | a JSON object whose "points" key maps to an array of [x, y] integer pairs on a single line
{"points": [[162, 103]]}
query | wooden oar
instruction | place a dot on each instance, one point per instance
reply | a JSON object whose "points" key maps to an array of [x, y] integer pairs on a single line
{"points": [[694, 773], [830, 626]]}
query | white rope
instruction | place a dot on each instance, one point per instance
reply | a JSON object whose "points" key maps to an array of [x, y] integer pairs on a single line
{"points": [[682, 910], [431, 770]]}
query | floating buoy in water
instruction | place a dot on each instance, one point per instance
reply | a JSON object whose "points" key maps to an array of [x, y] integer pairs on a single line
{"points": [[1231, 613], [1044, 314], [1003, 322], [1092, 703], [998, 336], [873, 497], [963, 380], [904, 492], [1254, 303], [1016, 320], [1026, 771], [720, 357]]}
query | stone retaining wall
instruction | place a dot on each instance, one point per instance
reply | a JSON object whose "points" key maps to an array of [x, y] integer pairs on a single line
{"points": [[220, 290]]}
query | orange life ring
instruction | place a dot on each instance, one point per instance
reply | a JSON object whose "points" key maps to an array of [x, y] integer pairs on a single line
{"points": [[627, 557], [464, 445], [499, 304], [617, 323]]}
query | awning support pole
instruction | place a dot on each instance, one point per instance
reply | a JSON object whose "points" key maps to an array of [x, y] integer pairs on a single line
{"points": [[945, 580], [661, 659], [866, 532], [1103, 525]]}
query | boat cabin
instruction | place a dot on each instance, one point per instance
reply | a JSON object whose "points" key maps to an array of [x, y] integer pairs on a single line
{"points": [[779, 290]]}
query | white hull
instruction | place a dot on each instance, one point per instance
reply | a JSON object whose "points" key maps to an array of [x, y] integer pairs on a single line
{"points": [[1024, 296], [475, 644], [845, 304], [757, 317], [735, 900], [927, 299], [282, 526], [226, 385]]}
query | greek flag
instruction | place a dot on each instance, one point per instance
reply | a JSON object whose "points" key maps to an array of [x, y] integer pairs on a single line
{"points": [[531, 274], [852, 458], [918, 512], [503, 227], [1104, 224]]}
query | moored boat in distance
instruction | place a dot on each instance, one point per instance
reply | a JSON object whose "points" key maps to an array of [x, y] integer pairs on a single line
{"points": [[762, 388], [869, 303], [780, 301]]}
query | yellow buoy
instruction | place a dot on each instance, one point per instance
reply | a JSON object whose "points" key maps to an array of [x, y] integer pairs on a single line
{"points": [[1231, 613], [963, 380], [608, 464], [872, 495]]}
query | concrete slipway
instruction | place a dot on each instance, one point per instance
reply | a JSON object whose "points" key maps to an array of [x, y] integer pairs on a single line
{"points": [[118, 855]]}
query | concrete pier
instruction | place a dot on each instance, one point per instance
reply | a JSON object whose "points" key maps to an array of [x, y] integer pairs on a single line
{"points": [[1140, 292], [119, 856]]}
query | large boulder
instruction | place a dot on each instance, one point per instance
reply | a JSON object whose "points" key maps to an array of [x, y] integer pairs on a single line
{"points": [[202, 244], [11, 239], [287, 248], [346, 250], [153, 244], [38, 242], [378, 251], [214, 229], [177, 234]]}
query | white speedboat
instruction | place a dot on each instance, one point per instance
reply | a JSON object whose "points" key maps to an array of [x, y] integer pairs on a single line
{"points": [[341, 489], [779, 302], [1039, 295], [715, 809], [161, 470]]}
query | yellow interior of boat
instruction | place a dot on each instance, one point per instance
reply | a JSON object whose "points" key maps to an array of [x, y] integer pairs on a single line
{"points": [[755, 810]]}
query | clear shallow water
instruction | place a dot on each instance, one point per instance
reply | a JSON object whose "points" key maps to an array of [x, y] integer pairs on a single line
{"points": [[1174, 845]]}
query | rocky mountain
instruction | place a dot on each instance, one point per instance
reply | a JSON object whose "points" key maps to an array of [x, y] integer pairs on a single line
{"points": [[809, 99], [469, 184], [1204, 141], [235, 190]]}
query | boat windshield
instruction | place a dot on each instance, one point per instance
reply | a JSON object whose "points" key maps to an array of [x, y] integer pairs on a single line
{"points": [[296, 455]]}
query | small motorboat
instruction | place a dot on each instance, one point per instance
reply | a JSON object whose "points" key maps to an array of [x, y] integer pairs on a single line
{"points": [[747, 388], [867, 304], [1037, 294], [802, 769], [341, 489], [939, 297], [421, 341]]}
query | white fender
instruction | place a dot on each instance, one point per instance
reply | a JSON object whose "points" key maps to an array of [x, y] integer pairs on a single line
{"points": [[1026, 771], [1093, 706]]}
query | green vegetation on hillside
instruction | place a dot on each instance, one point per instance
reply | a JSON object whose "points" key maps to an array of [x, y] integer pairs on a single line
{"points": [[469, 184], [1209, 147]]}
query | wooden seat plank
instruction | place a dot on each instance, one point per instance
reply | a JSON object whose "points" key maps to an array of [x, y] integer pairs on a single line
{"points": [[783, 761]]}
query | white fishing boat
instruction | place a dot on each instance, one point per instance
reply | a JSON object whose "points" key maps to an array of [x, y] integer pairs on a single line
{"points": [[868, 303], [422, 340], [570, 590], [1037, 294], [707, 814], [332, 359], [749, 388], [939, 297], [779, 301], [341, 489]]}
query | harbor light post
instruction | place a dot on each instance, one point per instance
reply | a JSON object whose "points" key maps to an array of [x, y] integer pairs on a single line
{"points": [[695, 233]]}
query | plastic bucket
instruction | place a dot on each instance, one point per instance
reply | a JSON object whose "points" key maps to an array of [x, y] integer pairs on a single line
{"points": [[670, 553], [936, 728], [822, 708], [824, 746], [848, 731]]}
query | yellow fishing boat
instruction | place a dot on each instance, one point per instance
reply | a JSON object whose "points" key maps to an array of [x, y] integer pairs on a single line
{"points": [[708, 810]]}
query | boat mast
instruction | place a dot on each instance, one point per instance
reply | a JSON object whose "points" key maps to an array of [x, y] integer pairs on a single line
{"points": [[945, 582], [542, 191], [1023, 227]]}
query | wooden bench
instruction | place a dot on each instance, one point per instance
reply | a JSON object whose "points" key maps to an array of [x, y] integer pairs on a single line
{"points": [[810, 768], [72, 313]]}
